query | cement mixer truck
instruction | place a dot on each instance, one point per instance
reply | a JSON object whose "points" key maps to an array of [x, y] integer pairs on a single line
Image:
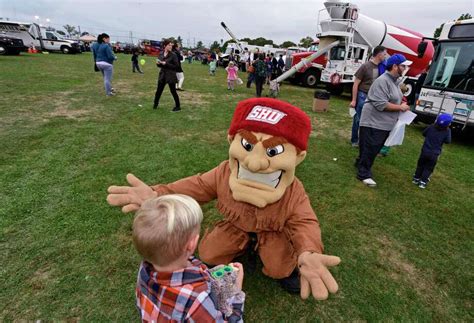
{"points": [[358, 35]]}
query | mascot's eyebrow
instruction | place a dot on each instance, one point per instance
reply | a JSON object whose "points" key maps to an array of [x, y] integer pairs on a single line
{"points": [[268, 143], [247, 135], [274, 141]]}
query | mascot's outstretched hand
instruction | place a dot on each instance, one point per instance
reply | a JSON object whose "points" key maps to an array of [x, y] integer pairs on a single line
{"points": [[130, 198], [315, 276]]}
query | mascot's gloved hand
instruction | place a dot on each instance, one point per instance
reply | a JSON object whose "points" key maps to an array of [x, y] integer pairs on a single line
{"points": [[315, 276], [130, 197]]}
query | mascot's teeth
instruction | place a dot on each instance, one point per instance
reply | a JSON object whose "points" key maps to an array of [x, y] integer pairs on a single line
{"points": [[271, 179]]}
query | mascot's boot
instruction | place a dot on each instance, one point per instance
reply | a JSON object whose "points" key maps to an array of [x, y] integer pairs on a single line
{"points": [[250, 257], [291, 283]]}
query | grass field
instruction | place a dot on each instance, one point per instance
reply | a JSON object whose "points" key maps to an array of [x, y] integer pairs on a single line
{"points": [[66, 255]]}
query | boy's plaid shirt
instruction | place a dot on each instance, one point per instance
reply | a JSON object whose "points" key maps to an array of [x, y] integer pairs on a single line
{"points": [[183, 295]]}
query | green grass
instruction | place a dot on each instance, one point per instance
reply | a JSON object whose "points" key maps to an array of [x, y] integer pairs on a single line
{"points": [[66, 255]]}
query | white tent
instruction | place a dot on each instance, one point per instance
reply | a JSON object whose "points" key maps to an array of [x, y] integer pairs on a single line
{"points": [[87, 38]]}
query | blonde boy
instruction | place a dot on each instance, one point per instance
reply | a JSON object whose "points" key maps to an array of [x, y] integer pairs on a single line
{"points": [[172, 284]]}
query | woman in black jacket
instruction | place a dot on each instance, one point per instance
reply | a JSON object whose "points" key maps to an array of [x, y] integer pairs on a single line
{"points": [[179, 71], [168, 62]]}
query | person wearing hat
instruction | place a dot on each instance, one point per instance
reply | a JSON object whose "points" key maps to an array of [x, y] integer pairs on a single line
{"points": [[258, 195], [365, 76], [379, 115], [435, 136]]}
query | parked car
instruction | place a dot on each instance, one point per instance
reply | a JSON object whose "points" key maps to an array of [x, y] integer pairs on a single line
{"points": [[11, 45]]}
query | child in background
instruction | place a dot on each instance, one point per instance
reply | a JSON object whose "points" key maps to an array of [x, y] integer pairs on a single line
{"points": [[231, 75], [134, 60], [435, 136], [212, 67], [172, 285]]}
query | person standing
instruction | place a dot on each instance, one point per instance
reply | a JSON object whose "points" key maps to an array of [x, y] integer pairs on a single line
{"points": [[134, 60], [435, 136], [190, 57], [281, 65], [168, 62], [379, 115], [364, 77], [179, 70], [104, 59], [244, 58], [260, 74], [231, 75]]}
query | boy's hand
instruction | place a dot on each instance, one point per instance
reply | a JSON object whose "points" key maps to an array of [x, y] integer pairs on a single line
{"points": [[240, 274], [130, 197]]}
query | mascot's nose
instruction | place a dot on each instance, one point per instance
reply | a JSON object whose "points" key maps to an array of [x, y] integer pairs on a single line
{"points": [[257, 160]]}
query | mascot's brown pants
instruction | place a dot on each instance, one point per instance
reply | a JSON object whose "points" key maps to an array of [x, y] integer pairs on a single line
{"points": [[225, 242]]}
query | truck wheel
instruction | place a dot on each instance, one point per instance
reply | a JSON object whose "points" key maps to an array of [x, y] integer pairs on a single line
{"points": [[410, 94], [311, 78], [65, 49], [3, 50], [335, 89]]}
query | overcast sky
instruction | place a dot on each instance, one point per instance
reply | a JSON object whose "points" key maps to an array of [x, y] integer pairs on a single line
{"points": [[197, 20]]}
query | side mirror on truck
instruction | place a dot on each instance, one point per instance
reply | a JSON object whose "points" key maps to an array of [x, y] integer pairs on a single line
{"points": [[422, 46]]}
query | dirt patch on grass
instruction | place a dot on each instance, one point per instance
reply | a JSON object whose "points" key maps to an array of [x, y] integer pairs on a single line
{"points": [[40, 278], [62, 111], [195, 99], [403, 271]]}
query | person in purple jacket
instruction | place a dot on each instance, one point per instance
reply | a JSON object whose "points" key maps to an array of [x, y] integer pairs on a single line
{"points": [[435, 136]]}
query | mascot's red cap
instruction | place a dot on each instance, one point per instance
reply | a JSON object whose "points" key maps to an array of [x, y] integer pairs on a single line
{"points": [[273, 117]]}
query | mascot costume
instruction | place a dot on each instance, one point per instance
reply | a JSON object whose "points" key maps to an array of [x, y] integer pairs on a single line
{"points": [[258, 195]]}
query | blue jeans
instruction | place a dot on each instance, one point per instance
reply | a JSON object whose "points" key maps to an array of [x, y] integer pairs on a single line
{"points": [[361, 96], [107, 71], [371, 141]]}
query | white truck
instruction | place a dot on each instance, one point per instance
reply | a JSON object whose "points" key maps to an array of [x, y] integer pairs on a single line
{"points": [[33, 35], [238, 47], [449, 84], [359, 35]]}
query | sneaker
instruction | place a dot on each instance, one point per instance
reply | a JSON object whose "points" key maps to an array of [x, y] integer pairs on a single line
{"points": [[291, 283], [155, 106], [111, 94], [415, 181], [179, 89], [176, 109], [355, 144], [422, 185], [369, 182], [112, 90]]}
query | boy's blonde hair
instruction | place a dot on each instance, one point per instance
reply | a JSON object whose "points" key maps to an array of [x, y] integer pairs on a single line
{"points": [[163, 227], [231, 63]]}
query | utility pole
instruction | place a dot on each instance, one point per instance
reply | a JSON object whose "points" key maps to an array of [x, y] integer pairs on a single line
{"points": [[79, 28], [131, 37]]}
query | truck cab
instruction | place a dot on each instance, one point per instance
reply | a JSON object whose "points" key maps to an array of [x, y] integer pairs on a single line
{"points": [[449, 84], [309, 75], [343, 62], [51, 41]]}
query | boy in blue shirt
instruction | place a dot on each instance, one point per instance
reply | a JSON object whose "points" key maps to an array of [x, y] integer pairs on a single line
{"points": [[435, 136]]}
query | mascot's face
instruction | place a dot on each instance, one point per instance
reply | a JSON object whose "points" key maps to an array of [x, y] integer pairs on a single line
{"points": [[262, 167]]}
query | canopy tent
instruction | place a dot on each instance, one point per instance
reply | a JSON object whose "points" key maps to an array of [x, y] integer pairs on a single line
{"points": [[87, 38]]}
